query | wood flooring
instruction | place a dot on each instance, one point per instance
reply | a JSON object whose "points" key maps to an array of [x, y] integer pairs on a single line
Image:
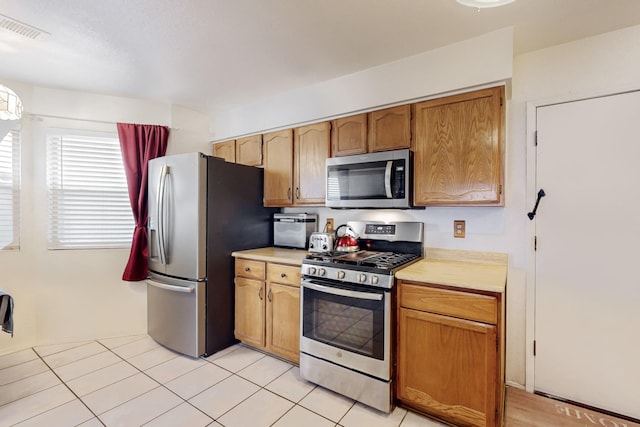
{"points": [[529, 410]]}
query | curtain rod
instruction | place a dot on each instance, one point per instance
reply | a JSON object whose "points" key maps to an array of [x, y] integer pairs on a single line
{"points": [[49, 116]]}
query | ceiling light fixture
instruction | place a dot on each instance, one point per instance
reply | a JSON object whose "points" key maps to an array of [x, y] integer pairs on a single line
{"points": [[482, 4], [10, 104]]}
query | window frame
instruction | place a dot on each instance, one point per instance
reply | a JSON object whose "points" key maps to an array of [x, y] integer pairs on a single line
{"points": [[67, 228], [15, 188]]}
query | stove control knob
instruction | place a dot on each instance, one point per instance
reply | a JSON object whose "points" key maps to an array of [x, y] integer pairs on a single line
{"points": [[362, 278], [374, 280], [341, 274], [321, 271], [312, 270]]}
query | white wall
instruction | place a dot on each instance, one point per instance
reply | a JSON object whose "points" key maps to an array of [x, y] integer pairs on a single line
{"points": [[70, 295], [441, 70]]}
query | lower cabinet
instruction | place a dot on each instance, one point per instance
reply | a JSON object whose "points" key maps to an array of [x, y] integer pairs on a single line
{"points": [[267, 307], [449, 355]]}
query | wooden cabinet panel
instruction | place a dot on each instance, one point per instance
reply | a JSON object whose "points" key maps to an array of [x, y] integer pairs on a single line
{"points": [[250, 269], [249, 150], [311, 147], [349, 135], [250, 311], [285, 274], [278, 168], [459, 149], [390, 129], [226, 150], [283, 321], [481, 308], [448, 367], [267, 314]]}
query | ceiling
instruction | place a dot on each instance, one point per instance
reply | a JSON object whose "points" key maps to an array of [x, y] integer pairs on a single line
{"points": [[215, 55]]}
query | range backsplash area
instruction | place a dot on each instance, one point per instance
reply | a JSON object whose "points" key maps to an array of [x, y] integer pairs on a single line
{"points": [[485, 226]]}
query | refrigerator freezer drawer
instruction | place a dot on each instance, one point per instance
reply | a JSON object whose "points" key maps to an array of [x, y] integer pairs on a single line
{"points": [[176, 314]]}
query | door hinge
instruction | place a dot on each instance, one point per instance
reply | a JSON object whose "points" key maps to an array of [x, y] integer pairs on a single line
{"points": [[535, 243], [535, 138], [534, 347], [501, 101], [500, 188]]}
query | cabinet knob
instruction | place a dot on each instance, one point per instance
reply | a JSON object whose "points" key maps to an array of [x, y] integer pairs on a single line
{"points": [[283, 275], [247, 269]]}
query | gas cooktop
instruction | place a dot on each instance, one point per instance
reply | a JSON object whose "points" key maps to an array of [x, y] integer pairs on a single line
{"points": [[364, 258], [386, 247]]}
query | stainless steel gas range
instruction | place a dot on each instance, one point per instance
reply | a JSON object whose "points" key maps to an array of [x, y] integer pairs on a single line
{"points": [[346, 305]]}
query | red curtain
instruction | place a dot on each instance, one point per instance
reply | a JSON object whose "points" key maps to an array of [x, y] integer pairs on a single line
{"points": [[139, 144]]}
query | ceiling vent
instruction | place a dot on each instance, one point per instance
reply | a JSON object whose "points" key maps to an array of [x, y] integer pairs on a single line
{"points": [[21, 28]]}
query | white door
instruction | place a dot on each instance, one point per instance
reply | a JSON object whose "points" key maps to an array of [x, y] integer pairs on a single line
{"points": [[587, 303]]}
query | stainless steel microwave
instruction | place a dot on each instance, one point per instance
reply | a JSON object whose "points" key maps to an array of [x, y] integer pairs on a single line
{"points": [[376, 180]]}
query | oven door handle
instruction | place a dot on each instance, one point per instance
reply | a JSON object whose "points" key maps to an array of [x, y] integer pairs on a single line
{"points": [[342, 292]]}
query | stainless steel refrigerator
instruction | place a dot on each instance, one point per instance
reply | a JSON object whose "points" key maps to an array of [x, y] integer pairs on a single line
{"points": [[201, 208]]}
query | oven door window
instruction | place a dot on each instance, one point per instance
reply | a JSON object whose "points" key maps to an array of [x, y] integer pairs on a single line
{"points": [[345, 322]]}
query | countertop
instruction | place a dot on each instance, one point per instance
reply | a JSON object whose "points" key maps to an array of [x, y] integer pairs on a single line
{"points": [[273, 254], [484, 271]]}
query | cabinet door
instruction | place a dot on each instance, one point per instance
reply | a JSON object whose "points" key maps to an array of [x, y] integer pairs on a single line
{"points": [[249, 150], [349, 135], [390, 129], [311, 148], [226, 150], [283, 321], [459, 149], [278, 168], [249, 311], [447, 367]]}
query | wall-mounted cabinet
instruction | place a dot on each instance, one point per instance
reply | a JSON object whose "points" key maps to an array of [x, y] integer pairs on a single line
{"points": [[295, 165], [349, 135], [249, 150], [390, 129], [311, 150], [459, 149], [278, 168], [381, 130], [226, 150]]}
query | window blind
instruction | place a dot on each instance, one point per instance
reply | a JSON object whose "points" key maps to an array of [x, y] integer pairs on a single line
{"points": [[10, 191], [87, 192]]}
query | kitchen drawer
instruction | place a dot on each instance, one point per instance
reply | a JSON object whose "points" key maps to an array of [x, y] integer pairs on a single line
{"points": [[250, 269], [464, 305], [284, 274]]}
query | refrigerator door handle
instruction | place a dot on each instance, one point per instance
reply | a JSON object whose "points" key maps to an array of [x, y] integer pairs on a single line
{"points": [[160, 214], [173, 288]]}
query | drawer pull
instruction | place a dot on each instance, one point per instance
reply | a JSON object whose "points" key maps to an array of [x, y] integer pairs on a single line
{"points": [[247, 269], [283, 275]]}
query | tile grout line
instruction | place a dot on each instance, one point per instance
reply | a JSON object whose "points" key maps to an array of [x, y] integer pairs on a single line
{"points": [[68, 388]]}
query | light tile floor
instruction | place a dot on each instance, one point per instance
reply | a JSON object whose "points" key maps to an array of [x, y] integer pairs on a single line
{"points": [[133, 381]]}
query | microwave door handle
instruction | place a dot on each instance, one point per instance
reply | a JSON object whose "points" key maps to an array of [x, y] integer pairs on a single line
{"points": [[161, 214], [342, 292], [387, 179]]}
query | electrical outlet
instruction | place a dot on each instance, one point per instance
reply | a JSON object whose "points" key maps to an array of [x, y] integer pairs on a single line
{"points": [[458, 228], [329, 225]]}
